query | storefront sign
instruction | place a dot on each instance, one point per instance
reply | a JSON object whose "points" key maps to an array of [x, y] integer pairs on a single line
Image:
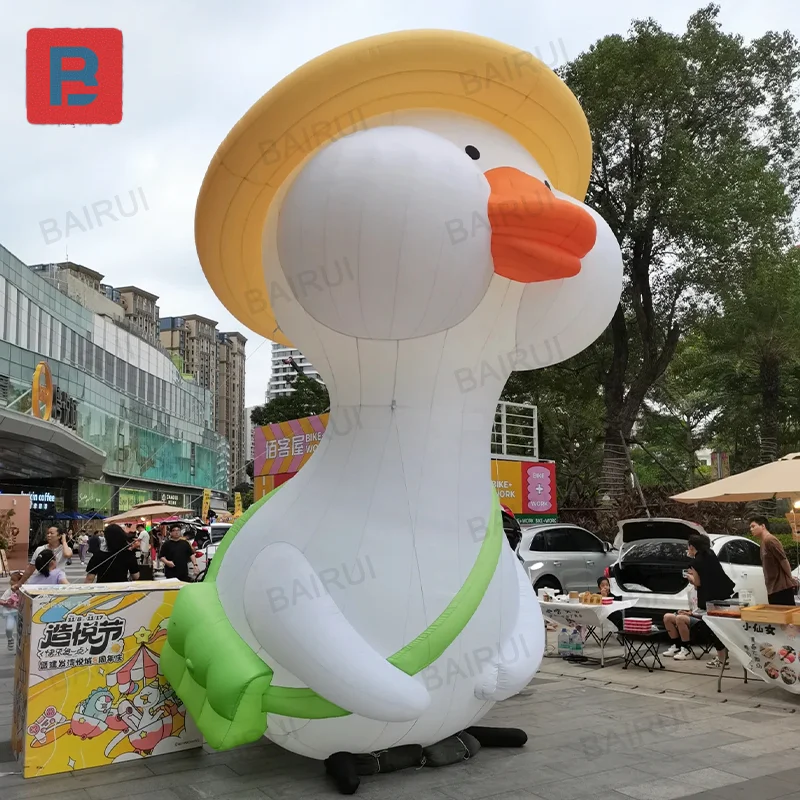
{"points": [[42, 502], [170, 498], [528, 488], [206, 504], [89, 688], [284, 447], [49, 402]]}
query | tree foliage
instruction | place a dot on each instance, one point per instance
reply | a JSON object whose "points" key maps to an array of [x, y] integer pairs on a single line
{"points": [[308, 399], [695, 142]]}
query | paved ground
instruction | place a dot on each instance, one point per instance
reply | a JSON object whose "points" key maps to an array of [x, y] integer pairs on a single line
{"points": [[593, 733]]}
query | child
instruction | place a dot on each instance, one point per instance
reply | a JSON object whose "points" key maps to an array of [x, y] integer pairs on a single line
{"points": [[9, 605]]}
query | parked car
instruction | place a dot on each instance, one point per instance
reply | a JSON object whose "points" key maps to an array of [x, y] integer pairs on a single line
{"points": [[653, 559], [511, 528], [207, 542], [564, 557]]}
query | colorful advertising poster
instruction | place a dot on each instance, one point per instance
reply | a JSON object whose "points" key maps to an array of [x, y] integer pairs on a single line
{"points": [[528, 488], [283, 447], [15, 524], [88, 685]]}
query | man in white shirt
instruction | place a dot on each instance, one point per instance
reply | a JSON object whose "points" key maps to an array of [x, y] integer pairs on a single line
{"points": [[57, 542], [144, 539]]}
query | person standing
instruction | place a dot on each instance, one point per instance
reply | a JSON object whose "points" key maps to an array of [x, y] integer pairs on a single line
{"points": [[83, 546], [72, 546], [57, 542], [781, 584], [176, 554], [143, 553], [117, 564], [93, 545]]}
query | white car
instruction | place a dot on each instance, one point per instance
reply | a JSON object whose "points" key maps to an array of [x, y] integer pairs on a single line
{"points": [[653, 559], [208, 542]]}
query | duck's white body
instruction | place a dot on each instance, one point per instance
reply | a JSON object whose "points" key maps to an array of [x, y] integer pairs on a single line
{"points": [[363, 549]]}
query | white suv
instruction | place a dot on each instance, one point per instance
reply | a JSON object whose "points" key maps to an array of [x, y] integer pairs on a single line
{"points": [[653, 558]]}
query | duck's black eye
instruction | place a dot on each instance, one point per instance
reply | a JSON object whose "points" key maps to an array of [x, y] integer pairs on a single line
{"points": [[472, 152], [547, 184]]}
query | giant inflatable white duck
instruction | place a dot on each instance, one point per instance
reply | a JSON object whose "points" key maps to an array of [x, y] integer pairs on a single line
{"points": [[407, 211]]}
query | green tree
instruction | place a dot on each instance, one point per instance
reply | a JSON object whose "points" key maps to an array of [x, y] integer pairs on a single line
{"points": [[308, 399], [696, 140], [570, 413], [675, 421], [753, 363]]}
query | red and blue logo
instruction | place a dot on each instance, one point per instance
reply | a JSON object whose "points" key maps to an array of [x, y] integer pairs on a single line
{"points": [[74, 76]]}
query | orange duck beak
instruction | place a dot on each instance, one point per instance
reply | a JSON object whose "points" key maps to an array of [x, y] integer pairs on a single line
{"points": [[536, 236]]}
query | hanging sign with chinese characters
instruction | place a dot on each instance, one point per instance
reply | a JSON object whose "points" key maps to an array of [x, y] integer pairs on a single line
{"points": [[283, 447]]}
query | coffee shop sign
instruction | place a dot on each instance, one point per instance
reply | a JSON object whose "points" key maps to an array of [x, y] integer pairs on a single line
{"points": [[48, 402], [41, 502]]}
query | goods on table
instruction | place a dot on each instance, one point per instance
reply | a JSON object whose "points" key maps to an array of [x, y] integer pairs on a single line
{"points": [[728, 609], [589, 599], [637, 624], [777, 615], [732, 613]]}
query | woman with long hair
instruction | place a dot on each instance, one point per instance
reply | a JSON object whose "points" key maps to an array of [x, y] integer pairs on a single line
{"points": [[118, 564]]}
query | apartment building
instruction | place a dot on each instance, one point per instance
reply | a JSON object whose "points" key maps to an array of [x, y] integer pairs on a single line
{"points": [[229, 407], [216, 361], [141, 311], [283, 373]]}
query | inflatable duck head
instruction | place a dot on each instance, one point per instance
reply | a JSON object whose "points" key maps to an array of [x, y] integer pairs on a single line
{"points": [[409, 185]]}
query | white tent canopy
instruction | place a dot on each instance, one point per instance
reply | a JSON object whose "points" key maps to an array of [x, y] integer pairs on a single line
{"points": [[779, 478]]}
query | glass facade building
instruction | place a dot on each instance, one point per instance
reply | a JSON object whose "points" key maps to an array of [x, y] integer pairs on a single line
{"points": [[155, 428]]}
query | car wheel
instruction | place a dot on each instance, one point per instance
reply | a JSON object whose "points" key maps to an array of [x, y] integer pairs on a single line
{"points": [[548, 582]]}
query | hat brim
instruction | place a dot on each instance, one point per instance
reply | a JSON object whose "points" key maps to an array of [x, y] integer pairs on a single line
{"points": [[339, 92]]}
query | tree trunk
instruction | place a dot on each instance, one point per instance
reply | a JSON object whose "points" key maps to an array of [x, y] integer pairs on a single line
{"points": [[612, 479], [770, 374]]}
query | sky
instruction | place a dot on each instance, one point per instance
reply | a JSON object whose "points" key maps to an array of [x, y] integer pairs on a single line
{"points": [[191, 71]]}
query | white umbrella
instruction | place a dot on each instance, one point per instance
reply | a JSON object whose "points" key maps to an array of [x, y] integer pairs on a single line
{"points": [[779, 478]]}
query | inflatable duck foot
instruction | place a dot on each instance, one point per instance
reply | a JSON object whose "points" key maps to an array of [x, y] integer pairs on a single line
{"points": [[343, 768], [499, 737]]}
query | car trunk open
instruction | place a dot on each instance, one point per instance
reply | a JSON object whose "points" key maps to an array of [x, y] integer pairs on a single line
{"points": [[641, 530], [655, 566]]}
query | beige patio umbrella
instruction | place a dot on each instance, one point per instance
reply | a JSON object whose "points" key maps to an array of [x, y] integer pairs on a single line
{"points": [[149, 510], [779, 478]]}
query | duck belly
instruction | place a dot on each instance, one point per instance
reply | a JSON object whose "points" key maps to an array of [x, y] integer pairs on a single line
{"points": [[452, 681]]}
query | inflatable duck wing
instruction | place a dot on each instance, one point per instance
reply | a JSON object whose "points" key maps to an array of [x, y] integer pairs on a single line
{"points": [[407, 211]]}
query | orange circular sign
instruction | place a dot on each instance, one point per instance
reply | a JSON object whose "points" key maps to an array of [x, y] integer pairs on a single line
{"points": [[42, 399]]}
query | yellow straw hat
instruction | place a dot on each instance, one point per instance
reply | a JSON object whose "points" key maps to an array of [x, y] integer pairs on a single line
{"points": [[339, 92]]}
